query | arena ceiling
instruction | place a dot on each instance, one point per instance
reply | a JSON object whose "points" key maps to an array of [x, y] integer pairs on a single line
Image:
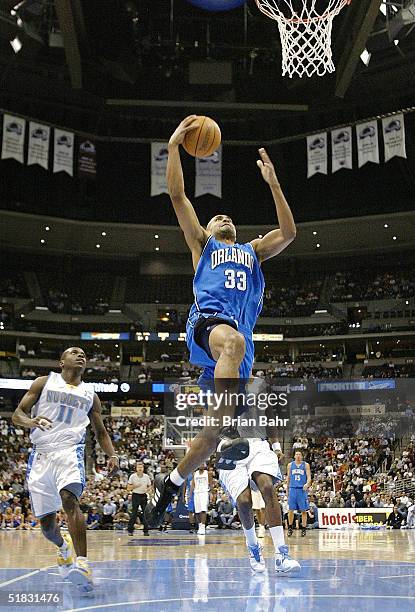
{"points": [[92, 59], [126, 71], [25, 233]]}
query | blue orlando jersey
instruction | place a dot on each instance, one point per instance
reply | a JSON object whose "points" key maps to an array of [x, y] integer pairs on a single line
{"points": [[298, 475], [229, 283]]}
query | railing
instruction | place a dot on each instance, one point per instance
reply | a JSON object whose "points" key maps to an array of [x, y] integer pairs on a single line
{"points": [[398, 488]]}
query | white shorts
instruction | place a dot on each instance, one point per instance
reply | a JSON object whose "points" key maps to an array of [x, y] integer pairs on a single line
{"points": [[257, 500], [201, 502], [49, 473], [260, 459]]}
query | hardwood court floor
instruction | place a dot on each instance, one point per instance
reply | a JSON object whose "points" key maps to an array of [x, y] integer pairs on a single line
{"points": [[345, 570]]}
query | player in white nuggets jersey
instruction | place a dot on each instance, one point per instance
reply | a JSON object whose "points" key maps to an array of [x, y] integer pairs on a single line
{"points": [[62, 406], [259, 471], [200, 486], [228, 288]]}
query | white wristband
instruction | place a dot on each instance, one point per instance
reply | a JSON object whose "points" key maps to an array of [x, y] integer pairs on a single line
{"points": [[276, 446]]}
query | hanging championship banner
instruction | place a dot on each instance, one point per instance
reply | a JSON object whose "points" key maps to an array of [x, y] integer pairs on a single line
{"points": [[38, 149], [63, 152], [317, 154], [14, 129], [341, 149], [209, 174], [87, 159], [159, 155], [394, 136], [367, 143]]}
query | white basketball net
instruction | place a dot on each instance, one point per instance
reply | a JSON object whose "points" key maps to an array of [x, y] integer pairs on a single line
{"points": [[305, 28]]}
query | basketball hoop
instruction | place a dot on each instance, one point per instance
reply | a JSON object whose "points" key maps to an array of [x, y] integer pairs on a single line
{"points": [[305, 28]]}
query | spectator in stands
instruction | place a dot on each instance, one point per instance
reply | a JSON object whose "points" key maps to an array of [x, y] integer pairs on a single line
{"points": [[121, 520], [352, 502], [395, 519], [8, 519], [28, 373], [226, 511], [108, 514], [364, 502], [312, 514], [337, 501], [94, 518]]}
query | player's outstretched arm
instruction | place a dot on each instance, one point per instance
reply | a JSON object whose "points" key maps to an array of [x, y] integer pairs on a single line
{"points": [[102, 436], [20, 415], [277, 240], [308, 472], [288, 476], [192, 486], [194, 233]]}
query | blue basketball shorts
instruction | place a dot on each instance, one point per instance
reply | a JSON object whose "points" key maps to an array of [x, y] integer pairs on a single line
{"points": [[298, 499], [199, 347]]}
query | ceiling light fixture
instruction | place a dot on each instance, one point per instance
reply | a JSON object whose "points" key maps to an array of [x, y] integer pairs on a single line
{"points": [[365, 57], [16, 44]]}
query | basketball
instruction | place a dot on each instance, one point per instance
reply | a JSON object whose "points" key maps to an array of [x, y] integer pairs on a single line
{"points": [[203, 140]]}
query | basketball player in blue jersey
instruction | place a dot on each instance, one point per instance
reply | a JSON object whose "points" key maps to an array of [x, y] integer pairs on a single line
{"points": [[61, 407], [298, 483], [228, 288]]}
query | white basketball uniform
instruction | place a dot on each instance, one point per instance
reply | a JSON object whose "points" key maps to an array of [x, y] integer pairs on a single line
{"points": [[260, 459], [201, 491], [257, 500], [410, 519], [57, 458]]}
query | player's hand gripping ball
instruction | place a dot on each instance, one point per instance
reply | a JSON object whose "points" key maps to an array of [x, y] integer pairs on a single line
{"points": [[204, 139]]}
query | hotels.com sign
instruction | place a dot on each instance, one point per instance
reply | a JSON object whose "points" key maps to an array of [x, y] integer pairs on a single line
{"points": [[332, 518]]}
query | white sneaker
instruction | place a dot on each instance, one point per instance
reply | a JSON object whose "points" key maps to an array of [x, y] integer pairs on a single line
{"points": [[81, 576], [261, 531], [202, 529], [66, 558], [255, 558], [284, 563]]}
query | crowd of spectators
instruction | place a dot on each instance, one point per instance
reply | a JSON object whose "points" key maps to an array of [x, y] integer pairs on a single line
{"points": [[59, 301], [304, 372], [299, 299], [312, 329], [360, 285], [389, 370], [366, 470]]}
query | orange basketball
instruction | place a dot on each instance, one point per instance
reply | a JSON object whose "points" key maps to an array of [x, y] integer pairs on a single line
{"points": [[203, 140]]}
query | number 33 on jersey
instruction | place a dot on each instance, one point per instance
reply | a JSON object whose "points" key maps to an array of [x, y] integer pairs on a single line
{"points": [[229, 281]]}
